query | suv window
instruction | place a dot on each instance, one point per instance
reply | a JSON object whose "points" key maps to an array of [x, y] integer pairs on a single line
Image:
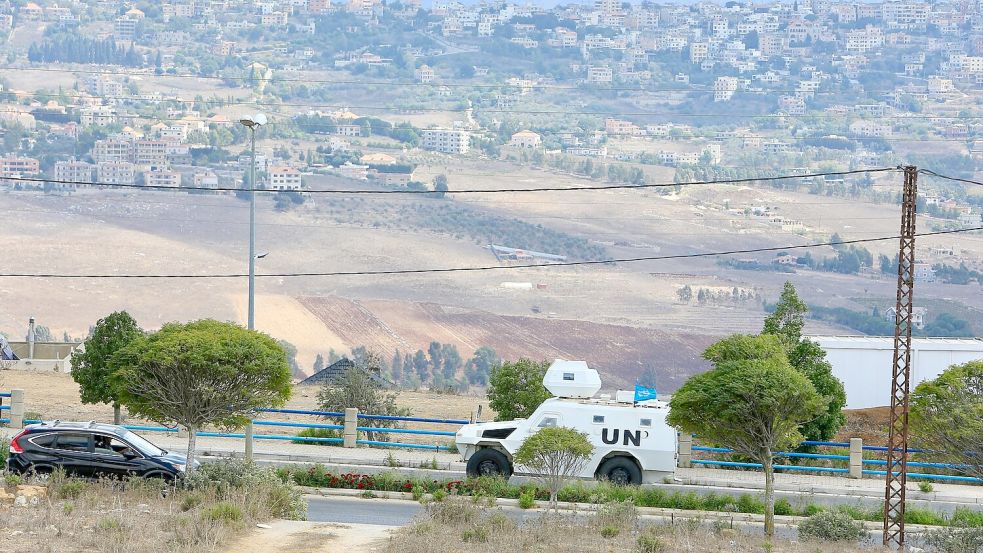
{"points": [[73, 442], [548, 422], [44, 440], [106, 445]]}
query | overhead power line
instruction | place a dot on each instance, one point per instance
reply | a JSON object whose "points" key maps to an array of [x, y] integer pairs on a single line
{"points": [[465, 191], [946, 177], [479, 268]]}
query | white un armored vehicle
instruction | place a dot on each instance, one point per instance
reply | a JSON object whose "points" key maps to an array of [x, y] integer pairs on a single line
{"points": [[632, 442]]}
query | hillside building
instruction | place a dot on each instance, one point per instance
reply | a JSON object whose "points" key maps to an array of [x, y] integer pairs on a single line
{"points": [[449, 141]]}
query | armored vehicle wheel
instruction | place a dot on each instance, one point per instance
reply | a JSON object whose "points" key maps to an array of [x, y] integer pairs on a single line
{"points": [[620, 470], [489, 462]]}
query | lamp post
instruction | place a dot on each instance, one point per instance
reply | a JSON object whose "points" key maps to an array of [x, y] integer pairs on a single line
{"points": [[251, 123]]}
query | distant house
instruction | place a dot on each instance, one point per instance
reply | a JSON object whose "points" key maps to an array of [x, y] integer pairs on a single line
{"points": [[917, 316], [335, 371]]}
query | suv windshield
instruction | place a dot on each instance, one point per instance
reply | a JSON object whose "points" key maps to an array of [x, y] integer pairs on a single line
{"points": [[142, 445]]}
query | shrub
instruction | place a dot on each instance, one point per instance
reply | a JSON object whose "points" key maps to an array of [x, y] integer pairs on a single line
{"points": [[439, 495], [11, 480], [223, 512], [923, 516], [4, 451], [452, 512], [926, 487], [831, 526], [417, 493], [191, 501], [622, 514], [610, 531], [71, 489], [235, 478], [476, 534], [783, 507], [109, 524], [650, 544], [966, 518], [317, 433], [955, 540]]}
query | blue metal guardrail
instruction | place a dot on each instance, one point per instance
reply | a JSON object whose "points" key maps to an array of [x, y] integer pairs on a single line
{"points": [[314, 439], [880, 462]]}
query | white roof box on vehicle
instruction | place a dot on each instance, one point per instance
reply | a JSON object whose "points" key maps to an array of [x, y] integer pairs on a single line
{"points": [[572, 379]]}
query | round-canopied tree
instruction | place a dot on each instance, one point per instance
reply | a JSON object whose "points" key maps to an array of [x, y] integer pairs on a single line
{"points": [[515, 389], [199, 374], [91, 363], [752, 401], [947, 417], [556, 454]]}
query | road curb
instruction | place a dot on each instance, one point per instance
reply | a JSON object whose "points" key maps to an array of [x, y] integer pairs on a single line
{"points": [[645, 513]]}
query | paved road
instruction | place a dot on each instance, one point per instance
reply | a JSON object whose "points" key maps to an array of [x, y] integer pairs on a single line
{"points": [[379, 512]]}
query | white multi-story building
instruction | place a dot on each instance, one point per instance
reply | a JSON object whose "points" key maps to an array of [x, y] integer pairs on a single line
{"points": [[599, 74], [449, 141], [112, 149], [285, 178], [171, 179], [151, 152], [724, 89], [73, 171], [116, 172], [865, 40]]}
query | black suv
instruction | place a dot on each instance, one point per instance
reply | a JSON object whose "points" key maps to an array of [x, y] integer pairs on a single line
{"points": [[90, 450]]}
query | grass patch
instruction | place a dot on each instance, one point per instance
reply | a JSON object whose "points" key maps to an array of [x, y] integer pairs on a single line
{"points": [[317, 433]]}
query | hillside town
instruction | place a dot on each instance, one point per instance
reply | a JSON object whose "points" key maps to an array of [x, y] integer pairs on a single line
{"points": [[798, 84]]}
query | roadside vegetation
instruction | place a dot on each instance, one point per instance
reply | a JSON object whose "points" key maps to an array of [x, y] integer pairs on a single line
{"points": [[459, 525], [600, 493], [214, 507]]}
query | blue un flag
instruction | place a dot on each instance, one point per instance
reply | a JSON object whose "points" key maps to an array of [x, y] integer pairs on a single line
{"points": [[644, 393]]}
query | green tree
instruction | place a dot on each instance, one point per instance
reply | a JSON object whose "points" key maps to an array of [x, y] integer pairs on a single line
{"points": [[515, 389], [440, 185], [201, 373], [787, 322], [91, 367], [788, 319], [752, 401], [947, 416], [555, 454], [480, 365]]}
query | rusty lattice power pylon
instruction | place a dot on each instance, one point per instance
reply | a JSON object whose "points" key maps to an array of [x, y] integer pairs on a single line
{"points": [[897, 443]]}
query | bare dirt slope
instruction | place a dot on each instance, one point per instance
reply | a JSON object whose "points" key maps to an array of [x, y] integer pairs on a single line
{"points": [[619, 352]]}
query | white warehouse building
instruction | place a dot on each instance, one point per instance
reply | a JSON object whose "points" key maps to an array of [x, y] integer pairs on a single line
{"points": [[864, 363]]}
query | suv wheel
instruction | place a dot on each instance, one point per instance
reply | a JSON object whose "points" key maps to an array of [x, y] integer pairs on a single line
{"points": [[489, 462]]}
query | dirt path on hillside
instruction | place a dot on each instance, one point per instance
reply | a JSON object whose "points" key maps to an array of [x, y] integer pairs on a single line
{"points": [[291, 536]]}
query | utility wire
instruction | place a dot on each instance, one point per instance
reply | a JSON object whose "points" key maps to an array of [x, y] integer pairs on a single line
{"points": [[466, 191], [946, 177], [482, 268]]}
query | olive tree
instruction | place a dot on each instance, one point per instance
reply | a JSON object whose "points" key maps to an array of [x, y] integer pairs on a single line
{"points": [[556, 454], [515, 389], [752, 401], [91, 367], [947, 417], [356, 388], [199, 374]]}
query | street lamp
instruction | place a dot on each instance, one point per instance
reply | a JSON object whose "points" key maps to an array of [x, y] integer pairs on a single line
{"points": [[252, 123]]}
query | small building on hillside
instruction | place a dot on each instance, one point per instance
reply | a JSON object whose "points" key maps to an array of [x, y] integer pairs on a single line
{"points": [[32, 354], [335, 371]]}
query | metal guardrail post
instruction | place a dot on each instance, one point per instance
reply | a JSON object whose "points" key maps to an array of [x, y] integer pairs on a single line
{"points": [[856, 458], [17, 408], [351, 427], [248, 434], [685, 457]]}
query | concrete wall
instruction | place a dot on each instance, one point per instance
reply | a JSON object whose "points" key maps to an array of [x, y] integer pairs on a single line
{"points": [[864, 363]]}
